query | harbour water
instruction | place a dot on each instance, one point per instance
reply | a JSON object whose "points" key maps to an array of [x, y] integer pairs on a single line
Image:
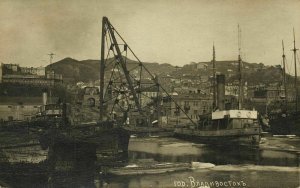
{"points": [[274, 164]]}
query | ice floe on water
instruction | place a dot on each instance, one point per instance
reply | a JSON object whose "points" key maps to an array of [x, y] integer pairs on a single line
{"points": [[288, 136], [178, 144], [131, 166], [255, 168], [244, 167], [200, 165], [277, 142]]}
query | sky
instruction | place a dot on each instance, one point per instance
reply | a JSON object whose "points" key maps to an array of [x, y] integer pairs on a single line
{"points": [[164, 31]]}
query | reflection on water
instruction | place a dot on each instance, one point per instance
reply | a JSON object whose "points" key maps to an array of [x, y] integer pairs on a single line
{"points": [[71, 165], [67, 165], [79, 165], [252, 179], [26, 154], [172, 150]]}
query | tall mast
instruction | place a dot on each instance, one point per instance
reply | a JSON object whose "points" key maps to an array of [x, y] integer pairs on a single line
{"points": [[241, 93], [214, 77], [283, 75], [295, 61]]}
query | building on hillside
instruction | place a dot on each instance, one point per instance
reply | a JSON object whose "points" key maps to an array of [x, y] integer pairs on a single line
{"points": [[201, 65], [14, 74], [269, 93], [91, 97], [230, 73], [40, 71], [19, 108], [192, 106], [148, 94], [233, 89]]}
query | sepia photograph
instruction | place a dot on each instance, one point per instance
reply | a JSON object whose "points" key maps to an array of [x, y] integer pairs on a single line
{"points": [[149, 93]]}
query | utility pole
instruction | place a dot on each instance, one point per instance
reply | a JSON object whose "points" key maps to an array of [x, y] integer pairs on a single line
{"points": [[51, 59], [295, 61]]}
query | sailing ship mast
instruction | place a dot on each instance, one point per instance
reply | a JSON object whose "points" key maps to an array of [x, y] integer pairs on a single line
{"points": [[295, 53], [241, 92], [214, 77], [283, 75]]}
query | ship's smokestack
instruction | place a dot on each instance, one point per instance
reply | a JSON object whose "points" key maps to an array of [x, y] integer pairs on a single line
{"points": [[221, 91], [45, 97]]}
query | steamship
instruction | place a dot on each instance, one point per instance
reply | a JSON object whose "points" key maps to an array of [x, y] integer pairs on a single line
{"points": [[222, 127], [225, 126]]}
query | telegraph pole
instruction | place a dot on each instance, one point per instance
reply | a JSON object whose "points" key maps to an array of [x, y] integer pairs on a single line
{"points": [[51, 59]]}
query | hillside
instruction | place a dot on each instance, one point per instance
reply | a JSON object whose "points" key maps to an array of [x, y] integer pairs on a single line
{"points": [[253, 73], [74, 70], [89, 70]]}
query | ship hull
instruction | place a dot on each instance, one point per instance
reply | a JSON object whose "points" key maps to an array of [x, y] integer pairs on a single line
{"points": [[244, 137], [105, 137], [285, 125], [150, 131]]}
